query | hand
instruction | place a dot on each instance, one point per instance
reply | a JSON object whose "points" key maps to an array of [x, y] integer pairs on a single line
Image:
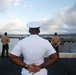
{"points": [[36, 68], [4, 43], [55, 45], [30, 68], [33, 68]]}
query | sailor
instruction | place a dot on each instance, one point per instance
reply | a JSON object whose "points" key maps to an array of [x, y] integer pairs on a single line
{"points": [[33, 48], [5, 45], [55, 41]]}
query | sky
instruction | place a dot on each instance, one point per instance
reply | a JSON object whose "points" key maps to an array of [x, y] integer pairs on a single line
{"points": [[54, 15]]}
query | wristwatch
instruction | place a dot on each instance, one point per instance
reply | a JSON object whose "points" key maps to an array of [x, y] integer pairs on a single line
{"points": [[26, 66]]}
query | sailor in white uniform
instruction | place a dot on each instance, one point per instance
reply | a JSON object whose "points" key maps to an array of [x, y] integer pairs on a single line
{"points": [[33, 48]]}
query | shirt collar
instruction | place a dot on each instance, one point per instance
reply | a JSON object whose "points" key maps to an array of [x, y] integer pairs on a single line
{"points": [[33, 35]]}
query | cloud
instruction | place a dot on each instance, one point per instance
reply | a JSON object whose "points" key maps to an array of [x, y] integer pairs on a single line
{"points": [[27, 5], [7, 4], [64, 21], [14, 26], [70, 16], [17, 2]]}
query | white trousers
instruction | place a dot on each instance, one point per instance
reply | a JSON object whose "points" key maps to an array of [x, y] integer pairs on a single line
{"points": [[41, 72]]}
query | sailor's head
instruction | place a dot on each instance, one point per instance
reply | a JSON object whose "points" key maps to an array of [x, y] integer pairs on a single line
{"points": [[34, 27]]}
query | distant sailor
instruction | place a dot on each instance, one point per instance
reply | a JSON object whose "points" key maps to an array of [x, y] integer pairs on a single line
{"points": [[56, 42], [5, 47], [33, 48]]}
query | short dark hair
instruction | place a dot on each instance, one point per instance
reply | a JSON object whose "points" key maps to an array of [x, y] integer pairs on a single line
{"points": [[55, 33], [34, 28], [5, 33]]}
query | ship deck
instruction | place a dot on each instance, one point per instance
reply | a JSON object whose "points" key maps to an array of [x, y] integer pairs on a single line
{"points": [[65, 66]]}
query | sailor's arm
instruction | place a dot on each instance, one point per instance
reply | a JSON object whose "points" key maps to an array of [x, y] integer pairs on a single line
{"points": [[52, 60], [16, 60]]}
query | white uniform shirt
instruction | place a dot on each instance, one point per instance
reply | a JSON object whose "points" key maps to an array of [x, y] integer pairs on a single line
{"points": [[33, 49]]}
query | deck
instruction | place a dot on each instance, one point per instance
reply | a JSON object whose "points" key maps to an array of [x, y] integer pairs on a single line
{"points": [[65, 66]]}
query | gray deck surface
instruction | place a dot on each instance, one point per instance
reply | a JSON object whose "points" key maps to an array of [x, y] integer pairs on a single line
{"points": [[65, 66]]}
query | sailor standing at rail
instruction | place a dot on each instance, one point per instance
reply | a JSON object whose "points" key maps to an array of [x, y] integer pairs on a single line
{"points": [[33, 48]]}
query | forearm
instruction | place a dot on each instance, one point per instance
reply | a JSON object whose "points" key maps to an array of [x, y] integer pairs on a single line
{"points": [[57, 44], [49, 62], [17, 61]]}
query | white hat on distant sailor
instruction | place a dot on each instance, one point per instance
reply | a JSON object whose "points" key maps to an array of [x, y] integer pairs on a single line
{"points": [[34, 24]]}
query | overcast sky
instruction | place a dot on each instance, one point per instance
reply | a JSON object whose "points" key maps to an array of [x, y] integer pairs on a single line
{"points": [[55, 15]]}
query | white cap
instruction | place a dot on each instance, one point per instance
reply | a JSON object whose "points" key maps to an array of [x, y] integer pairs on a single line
{"points": [[34, 24]]}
